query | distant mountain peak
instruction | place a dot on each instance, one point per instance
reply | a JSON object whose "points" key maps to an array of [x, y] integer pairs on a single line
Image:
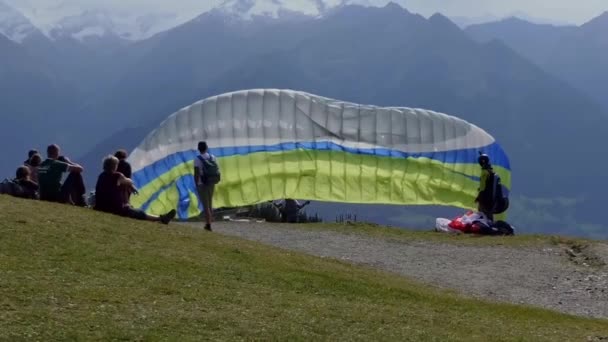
{"points": [[527, 21], [442, 19], [600, 22], [14, 25], [102, 23], [249, 9], [515, 19], [62, 19], [88, 24], [275, 9], [393, 5]]}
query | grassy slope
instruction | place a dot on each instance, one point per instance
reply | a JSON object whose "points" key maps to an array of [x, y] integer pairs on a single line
{"points": [[73, 274]]}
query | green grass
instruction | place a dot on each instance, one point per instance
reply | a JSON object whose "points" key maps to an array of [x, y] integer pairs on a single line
{"points": [[72, 274]]}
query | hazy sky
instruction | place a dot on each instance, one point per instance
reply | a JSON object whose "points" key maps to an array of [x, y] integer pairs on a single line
{"points": [[574, 11]]}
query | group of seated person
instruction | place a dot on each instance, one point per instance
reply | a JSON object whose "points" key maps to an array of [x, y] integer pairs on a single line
{"points": [[41, 179]]}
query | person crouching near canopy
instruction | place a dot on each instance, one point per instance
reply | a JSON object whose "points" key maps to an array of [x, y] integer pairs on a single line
{"points": [[109, 195], [485, 197], [290, 209]]}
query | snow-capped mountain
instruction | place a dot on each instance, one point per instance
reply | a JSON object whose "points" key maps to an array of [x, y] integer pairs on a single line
{"points": [[89, 23], [100, 23], [14, 25], [59, 19], [250, 9], [81, 21]]}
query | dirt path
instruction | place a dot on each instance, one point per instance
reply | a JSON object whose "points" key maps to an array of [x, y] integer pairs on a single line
{"points": [[546, 277]]}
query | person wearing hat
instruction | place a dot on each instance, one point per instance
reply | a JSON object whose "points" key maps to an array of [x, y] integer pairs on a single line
{"points": [[485, 197]]}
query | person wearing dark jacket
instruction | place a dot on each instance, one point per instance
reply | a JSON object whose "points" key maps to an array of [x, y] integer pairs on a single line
{"points": [[125, 168], [29, 188], [123, 165], [30, 154], [486, 196]]}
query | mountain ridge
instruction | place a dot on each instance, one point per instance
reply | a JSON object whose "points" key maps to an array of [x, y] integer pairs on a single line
{"points": [[98, 23], [576, 54], [14, 25], [384, 56]]}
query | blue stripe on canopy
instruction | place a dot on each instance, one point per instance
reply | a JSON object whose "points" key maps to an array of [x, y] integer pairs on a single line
{"points": [[462, 156]]}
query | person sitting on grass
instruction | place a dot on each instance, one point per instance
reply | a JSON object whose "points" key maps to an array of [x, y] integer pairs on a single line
{"points": [[30, 154], [109, 194], [34, 164], [123, 165], [73, 190], [50, 173], [28, 188], [125, 168]]}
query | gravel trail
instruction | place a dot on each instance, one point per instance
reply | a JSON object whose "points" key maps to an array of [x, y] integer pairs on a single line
{"points": [[550, 277]]}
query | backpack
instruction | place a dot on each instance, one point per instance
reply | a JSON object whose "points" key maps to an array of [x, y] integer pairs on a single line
{"points": [[503, 228], [211, 171], [10, 187], [498, 228], [501, 195]]}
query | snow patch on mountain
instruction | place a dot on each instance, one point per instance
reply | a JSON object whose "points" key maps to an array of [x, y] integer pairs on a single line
{"points": [[14, 25], [249, 9], [100, 23], [60, 18], [82, 20]]}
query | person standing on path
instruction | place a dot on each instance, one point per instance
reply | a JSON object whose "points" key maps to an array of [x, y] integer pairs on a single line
{"points": [[486, 195], [206, 176]]}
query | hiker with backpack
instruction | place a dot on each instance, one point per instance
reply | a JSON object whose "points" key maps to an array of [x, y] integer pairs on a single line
{"points": [[206, 176], [491, 198], [485, 198]]}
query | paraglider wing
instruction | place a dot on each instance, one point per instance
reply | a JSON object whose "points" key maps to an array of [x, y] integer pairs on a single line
{"points": [[287, 144]]}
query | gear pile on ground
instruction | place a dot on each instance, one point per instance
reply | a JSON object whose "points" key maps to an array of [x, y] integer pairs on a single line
{"points": [[474, 223]]}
